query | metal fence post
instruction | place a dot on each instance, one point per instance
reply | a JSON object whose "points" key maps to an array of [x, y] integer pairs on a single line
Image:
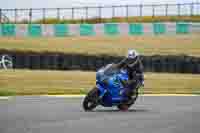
{"points": [[113, 11], [86, 13], [191, 9], [15, 15], [0, 15], [44, 15], [141, 6], [153, 10], [179, 9], [166, 10], [58, 14], [72, 13], [127, 12], [30, 15]]}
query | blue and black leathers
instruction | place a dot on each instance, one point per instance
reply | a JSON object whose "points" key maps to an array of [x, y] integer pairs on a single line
{"points": [[135, 73]]}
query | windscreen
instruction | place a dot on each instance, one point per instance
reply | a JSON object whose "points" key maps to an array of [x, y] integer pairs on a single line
{"points": [[107, 71]]}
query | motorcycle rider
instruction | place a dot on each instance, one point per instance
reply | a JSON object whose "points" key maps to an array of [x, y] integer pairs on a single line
{"points": [[134, 67]]}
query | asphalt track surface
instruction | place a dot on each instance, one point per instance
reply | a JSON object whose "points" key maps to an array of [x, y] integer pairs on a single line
{"points": [[151, 114]]}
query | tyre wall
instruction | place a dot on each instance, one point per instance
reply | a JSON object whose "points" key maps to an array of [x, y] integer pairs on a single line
{"points": [[60, 61]]}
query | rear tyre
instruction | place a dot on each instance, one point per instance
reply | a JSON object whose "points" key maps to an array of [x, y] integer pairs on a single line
{"points": [[91, 100], [123, 107]]}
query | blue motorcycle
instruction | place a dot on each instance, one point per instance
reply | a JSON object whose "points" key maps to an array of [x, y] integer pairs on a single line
{"points": [[109, 90]]}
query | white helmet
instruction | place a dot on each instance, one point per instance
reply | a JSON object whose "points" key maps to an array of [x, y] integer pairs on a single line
{"points": [[132, 54]]}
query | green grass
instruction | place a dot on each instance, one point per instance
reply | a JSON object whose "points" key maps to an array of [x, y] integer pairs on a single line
{"points": [[197, 93], [7, 93], [26, 82], [195, 18], [118, 45]]}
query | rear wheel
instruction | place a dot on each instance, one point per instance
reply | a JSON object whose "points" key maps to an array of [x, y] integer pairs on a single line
{"points": [[123, 107], [91, 100]]}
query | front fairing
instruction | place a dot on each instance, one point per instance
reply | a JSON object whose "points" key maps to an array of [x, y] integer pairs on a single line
{"points": [[123, 74], [110, 93], [115, 83], [102, 89], [106, 72]]}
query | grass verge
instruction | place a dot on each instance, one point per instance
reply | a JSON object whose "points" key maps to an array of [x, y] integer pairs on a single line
{"points": [[194, 18], [116, 45], [25, 82], [7, 93]]}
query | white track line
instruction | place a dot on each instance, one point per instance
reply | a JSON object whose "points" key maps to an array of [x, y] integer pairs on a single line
{"points": [[80, 96], [4, 98], [169, 95], [65, 96]]}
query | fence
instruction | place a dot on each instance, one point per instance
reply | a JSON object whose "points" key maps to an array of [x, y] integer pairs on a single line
{"points": [[86, 13]]}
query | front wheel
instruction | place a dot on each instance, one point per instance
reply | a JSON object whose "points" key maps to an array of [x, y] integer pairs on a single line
{"points": [[90, 101]]}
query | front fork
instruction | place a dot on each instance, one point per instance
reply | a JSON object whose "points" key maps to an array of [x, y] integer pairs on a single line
{"points": [[102, 92]]}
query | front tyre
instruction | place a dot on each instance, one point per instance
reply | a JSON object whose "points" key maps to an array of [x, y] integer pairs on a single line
{"points": [[91, 100]]}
